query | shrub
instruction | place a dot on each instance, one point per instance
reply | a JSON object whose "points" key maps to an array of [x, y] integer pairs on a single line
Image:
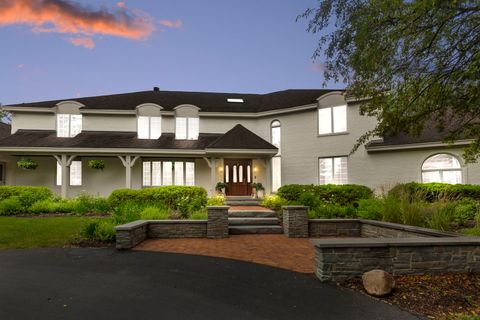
{"points": [[26, 195], [10, 206], [274, 202], [474, 232], [181, 198], [345, 195], [96, 164], [127, 212], [27, 164], [441, 216], [465, 210], [199, 215], [100, 231], [86, 203], [218, 200], [435, 191], [330, 211], [391, 210], [154, 213], [371, 209]]}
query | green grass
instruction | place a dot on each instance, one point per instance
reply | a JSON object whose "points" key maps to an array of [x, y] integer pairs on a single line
{"points": [[40, 232]]}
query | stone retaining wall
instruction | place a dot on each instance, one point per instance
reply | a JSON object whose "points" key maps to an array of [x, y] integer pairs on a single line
{"points": [[319, 228], [338, 259], [380, 229], [177, 229], [216, 226]]}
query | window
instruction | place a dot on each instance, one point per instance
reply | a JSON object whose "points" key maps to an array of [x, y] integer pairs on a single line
{"points": [[2, 173], [149, 127], [332, 119], [275, 133], [442, 168], [276, 173], [186, 128], [165, 173], [69, 125], [333, 170], [75, 173]]}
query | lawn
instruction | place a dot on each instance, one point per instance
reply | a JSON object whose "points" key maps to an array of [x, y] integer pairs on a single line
{"points": [[39, 232]]}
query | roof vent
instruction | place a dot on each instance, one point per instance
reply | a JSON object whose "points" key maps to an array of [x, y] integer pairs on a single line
{"points": [[156, 89], [235, 100]]}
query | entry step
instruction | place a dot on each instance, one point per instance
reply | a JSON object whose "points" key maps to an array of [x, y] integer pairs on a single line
{"points": [[255, 230], [251, 214], [248, 202], [252, 221]]}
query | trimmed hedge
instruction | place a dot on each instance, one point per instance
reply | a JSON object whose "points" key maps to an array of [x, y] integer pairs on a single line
{"points": [[181, 198], [26, 195], [344, 195], [435, 191]]}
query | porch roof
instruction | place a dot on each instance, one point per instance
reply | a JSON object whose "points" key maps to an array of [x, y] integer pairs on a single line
{"points": [[239, 138]]}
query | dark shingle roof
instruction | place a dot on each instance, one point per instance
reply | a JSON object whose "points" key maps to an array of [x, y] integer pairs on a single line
{"points": [[240, 137], [5, 130], [102, 139], [206, 101], [237, 138]]}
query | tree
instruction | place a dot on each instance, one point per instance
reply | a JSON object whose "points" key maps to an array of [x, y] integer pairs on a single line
{"points": [[417, 62]]}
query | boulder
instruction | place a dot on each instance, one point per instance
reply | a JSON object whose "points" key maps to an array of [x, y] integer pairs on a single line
{"points": [[378, 283]]}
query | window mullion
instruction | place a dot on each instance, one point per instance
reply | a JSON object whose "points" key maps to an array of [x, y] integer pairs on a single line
{"points": [[331, 119]]}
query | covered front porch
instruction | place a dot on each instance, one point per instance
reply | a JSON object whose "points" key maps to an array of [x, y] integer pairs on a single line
{"points": [[69, 174]]}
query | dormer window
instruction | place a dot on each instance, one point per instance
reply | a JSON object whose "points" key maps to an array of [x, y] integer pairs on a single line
{"points": [[149, 127], [332, 120], [186, 128], [69, 125]]}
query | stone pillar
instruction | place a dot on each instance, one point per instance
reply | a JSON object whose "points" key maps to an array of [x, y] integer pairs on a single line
{"points": [[295, 221], [217, 226]]}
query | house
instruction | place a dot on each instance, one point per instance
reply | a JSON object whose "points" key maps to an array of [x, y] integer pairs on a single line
{"points": [[154, 138]]}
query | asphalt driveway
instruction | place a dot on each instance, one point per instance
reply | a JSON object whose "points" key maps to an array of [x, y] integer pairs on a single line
{"points": [[106, 284]]}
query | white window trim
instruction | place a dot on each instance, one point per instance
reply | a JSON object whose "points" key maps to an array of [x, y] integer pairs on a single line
{"points": [[149, 127], [333, 166], [187, 128], [440, 171], [173, 173], [69, 126], [58, 174], [332, 119]]}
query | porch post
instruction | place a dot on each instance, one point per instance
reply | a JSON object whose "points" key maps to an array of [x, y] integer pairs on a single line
{"points": [[213, 176], [128, 162], [268, 172], [65, 161]]}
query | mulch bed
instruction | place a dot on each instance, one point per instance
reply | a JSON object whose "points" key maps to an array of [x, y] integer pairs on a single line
{"points": [[434, 296], [90, 244]]}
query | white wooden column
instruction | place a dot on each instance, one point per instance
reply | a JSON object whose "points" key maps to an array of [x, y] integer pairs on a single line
{"points": [[268, 173], [212, 164], [128, 162], [65, 161]]}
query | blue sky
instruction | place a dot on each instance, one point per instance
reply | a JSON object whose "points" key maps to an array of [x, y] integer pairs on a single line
{"points": [[211, 45]]}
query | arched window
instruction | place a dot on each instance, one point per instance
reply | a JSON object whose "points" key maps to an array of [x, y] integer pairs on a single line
{"points": [[277, 160], [442, 168]]}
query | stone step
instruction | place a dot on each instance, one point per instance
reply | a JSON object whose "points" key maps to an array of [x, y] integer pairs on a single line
{"points": [[252, 214], [250, 202], [253, 221], [255, 230], [240, 198]]}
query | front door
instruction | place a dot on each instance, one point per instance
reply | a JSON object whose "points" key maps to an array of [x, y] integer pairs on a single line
{"points": [[238, 176]]}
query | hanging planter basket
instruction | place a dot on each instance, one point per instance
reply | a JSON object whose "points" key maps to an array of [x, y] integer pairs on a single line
{"points": [[27, 164], [96, 164]]}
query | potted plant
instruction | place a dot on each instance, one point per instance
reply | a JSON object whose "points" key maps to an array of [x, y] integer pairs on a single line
{"points": [[258, 189], [96, 164], [221, 187], [27, 164]]}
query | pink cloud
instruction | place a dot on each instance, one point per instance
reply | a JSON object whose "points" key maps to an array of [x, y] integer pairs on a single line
{"points": [[121, 4], [20, 66], [318, 67], [66, 16], [172, 24], [85, 42]]}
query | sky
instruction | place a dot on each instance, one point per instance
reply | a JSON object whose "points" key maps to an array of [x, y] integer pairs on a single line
{"points": [[59, 49]]}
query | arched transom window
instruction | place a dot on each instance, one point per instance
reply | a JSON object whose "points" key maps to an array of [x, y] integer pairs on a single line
{"points": [[442, 168]]}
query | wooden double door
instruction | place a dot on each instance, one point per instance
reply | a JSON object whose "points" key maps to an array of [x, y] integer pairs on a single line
{"points": [[238, 176]]}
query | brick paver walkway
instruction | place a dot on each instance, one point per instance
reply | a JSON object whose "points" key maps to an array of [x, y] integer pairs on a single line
{"points": [[273, 250]]}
